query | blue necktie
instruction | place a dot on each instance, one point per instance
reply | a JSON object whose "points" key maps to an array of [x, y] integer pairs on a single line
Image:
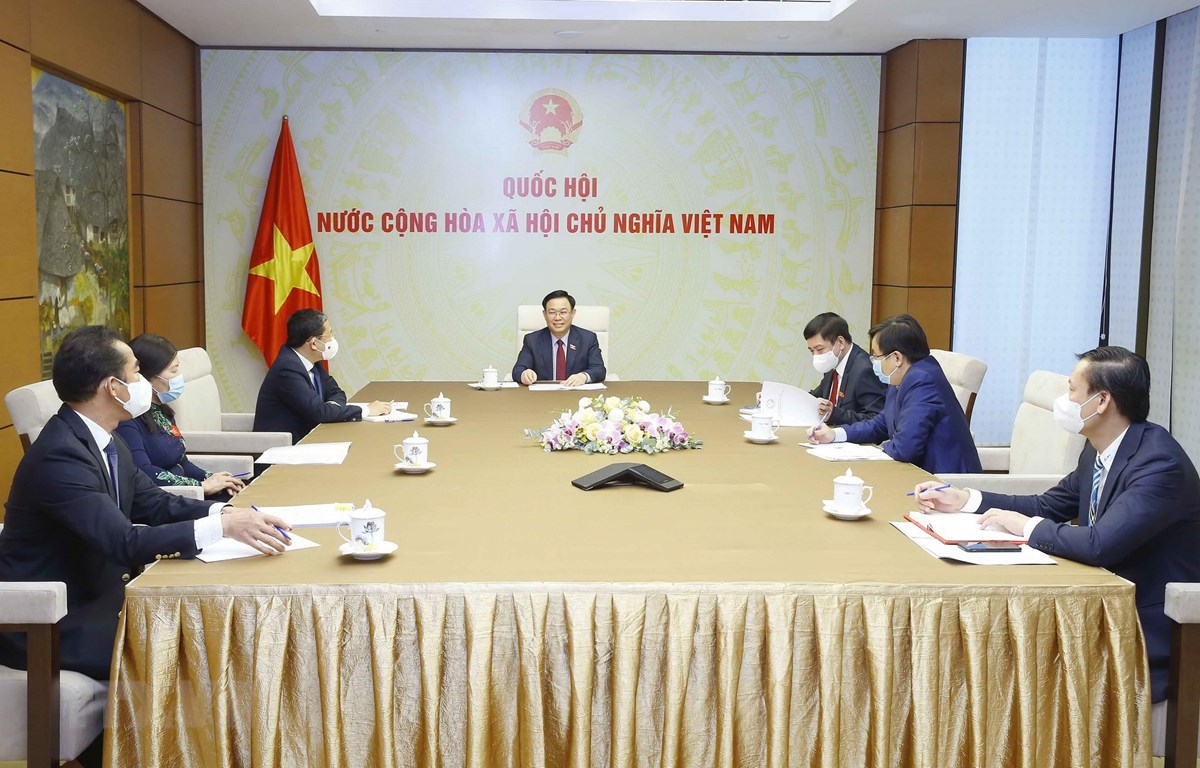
{"points": [[1097, 473], [316, 379], [111, 451]]}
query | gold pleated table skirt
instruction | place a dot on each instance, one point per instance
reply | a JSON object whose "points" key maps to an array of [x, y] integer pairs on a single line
{"points": [[526, 623]]}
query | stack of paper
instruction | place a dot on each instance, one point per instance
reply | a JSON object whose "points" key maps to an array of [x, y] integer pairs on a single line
{"points": [[309, 514], [794, 407], [1027, 556], [306, 453], [959, 527], [560, 387], [398, 413], [230, 549], [502, 385], [849, 452]]}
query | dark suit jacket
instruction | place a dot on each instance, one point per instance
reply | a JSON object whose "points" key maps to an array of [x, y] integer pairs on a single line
{"points": [[61, 524], [1147, 526], [922, 423], [287, 401], [583, 355], [862, 391], [161, 454]]}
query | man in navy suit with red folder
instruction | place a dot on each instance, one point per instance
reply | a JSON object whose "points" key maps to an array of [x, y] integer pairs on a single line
{"points": [[1134, 497], [560, 351]]}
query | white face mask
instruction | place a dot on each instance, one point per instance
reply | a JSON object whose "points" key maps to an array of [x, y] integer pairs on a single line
{"points": [[825, 362], [140, 393], [331, 349], [1067, 413]]}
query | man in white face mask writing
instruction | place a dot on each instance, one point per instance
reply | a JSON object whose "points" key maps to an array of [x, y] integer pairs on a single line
{"points": [[76, 495], [1134, 497], [298, 393], [849, 391]]}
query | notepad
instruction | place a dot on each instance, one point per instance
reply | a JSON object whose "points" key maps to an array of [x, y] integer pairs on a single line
{"points": [[1027, 556], [309, 514], [959, 528], [306, 453], [231, 549], [562, 387], [849, 452], [501, 385]]}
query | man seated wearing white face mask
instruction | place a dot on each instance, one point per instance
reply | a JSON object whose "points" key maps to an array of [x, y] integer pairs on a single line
{"points": [[849, 391], [298, 393], [154, 439], [76, 496], [1135, 495]]}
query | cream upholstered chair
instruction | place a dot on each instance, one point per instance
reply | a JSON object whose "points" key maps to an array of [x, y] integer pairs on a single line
{"points": [[592, 317], [965, 374], [32, 405], [204, 426], [1041, 452], [51, 714], [1175, 723]]}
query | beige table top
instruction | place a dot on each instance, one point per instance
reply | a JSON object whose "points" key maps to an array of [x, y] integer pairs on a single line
{"points": [[497, 509]]}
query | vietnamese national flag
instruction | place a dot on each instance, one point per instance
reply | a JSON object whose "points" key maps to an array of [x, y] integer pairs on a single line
{"points": [[284, 275]]}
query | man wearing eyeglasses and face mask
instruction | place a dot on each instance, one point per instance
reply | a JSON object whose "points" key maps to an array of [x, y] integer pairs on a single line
{"points": [[1134, 497], [298, 393], [849, 391], [560, 351]]}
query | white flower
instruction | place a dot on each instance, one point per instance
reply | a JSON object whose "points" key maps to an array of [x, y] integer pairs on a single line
{"points": [[612, 403], [616, 414], [643, 406], [584, 402], [587, 416], [633, 434]]}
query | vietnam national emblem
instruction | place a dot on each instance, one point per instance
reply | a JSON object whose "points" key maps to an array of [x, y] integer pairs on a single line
{"points": [[552, 119]]}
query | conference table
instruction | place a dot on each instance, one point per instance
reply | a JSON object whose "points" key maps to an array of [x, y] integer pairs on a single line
{"points": [[524, 622]]}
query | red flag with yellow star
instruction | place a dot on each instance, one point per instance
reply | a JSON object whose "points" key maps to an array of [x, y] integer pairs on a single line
{"points": [[284, 275]]}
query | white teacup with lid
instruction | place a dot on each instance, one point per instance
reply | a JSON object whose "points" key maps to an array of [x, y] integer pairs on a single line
{"points": [[438, 408], [413, 452], [366, 527], [848, 493], [717, 389], [491, 377]]}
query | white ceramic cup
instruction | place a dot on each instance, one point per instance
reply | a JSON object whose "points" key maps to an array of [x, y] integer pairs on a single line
{"points": [[438, 407], [414, 451], [365, 527], [491, 377], [717, 389], [762, 425], [848, 493]]}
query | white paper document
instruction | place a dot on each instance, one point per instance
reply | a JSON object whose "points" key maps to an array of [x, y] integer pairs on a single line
{"points": [[309, 514], [959, 526], [1027, 556], [306, 453], [229, 549], [793, 406], [849, 452], [502, 385], [562, 387], [398, 413]]}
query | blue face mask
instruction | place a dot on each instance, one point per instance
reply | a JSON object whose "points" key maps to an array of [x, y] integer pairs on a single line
{"points": [[877, 367], [175, 390]]}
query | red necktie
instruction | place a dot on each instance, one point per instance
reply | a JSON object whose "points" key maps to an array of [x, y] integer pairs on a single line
{"points": [[560, 365], [833, 391]]}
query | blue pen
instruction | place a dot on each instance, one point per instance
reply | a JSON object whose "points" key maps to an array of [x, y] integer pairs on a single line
{"points": [[939, 488], [285, 533], [243, 474]]}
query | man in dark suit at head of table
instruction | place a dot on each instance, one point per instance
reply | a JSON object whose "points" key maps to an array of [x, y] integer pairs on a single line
{"points": [[298, 393], [849, 391], [560, 351]]}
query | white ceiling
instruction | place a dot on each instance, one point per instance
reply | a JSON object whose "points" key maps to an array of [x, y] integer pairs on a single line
{"points": [[766, 26]]}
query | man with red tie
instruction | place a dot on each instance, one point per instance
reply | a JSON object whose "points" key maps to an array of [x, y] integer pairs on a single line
{"points": [[560, 351], [849, 391]]}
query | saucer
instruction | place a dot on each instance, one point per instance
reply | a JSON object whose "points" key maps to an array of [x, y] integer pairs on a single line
{"points": [[414, 469], [485, 387], [440, 422], [832, 510], [711, 401], [759, 440], [358, 553]]}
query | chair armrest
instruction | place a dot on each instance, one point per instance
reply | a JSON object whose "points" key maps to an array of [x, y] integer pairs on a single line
{"points": [[186, 491], [246, 443], [994, 458], [237, 422], [1017, 485], [1183, 603], [234, 465], [32, 602]]}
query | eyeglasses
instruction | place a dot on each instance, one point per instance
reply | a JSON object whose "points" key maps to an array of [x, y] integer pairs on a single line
{"points": [[558, 312], [879, 358]]}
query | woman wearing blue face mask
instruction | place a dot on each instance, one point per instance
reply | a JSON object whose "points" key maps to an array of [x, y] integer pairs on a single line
{"points": [[154, 439]]}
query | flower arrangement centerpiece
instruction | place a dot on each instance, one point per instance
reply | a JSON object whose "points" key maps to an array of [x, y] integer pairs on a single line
{"points": [[614, 425]]}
